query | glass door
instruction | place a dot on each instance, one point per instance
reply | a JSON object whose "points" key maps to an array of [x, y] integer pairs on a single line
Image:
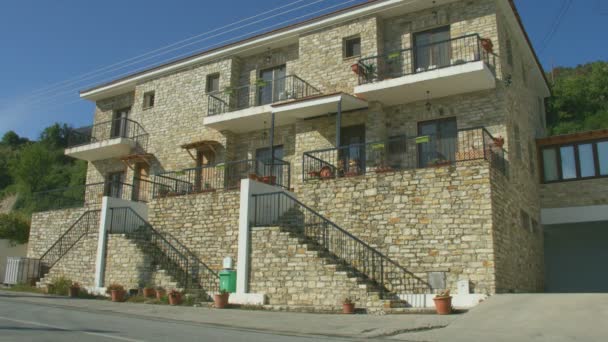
{"points": [[141, 185], [265, 163], [119, 123], [352, 151], [114, 182], [272, 85], [440, 147], [432, 49]]}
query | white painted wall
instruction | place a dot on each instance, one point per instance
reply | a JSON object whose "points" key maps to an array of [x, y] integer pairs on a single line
{"points": [[593, 213], [6, 250]]}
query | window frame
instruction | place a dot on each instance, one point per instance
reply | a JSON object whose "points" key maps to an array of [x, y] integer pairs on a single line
{"points": [[557, 147], [208, 83], [147, 95], [345, 42]]}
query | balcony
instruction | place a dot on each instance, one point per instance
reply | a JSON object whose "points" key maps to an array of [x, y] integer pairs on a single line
{"points": [[451, 67], [404, 153], [240, 109], [105, 140], [222, 176]]}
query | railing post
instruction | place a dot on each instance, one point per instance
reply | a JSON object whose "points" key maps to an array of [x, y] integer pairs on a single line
{"points": [[381, 278]]}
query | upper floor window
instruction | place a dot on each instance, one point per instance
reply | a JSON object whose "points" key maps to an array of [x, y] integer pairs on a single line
{"points": [[509, 49], [148, 99], [575, 161], [213, 83], [352, 47], [517, 142]]}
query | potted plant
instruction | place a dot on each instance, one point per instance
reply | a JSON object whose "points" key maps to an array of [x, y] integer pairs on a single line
{"points": [[314, 174], [253, 176], [269, 179], [160, 292], [208, 188], [357, 68], [261, 82], [438, 162], [175, 297], [499, 142], [487, 45], [228, 90], [149, 291], [348, 306], [74, 290], [220, 300], [353, 168], [326, 172], [443, 303], [117, 292]]}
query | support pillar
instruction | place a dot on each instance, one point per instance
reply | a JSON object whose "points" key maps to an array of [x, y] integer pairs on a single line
{"points": [[339, 122]]}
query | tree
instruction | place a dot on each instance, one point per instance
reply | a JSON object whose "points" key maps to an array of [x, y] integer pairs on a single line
{"points": [[13, 140], [35, 168], [580, 99], [56, 135], [14, 227]]}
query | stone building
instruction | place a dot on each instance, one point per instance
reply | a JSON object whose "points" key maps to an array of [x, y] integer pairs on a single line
{"points": [[360, 154]]}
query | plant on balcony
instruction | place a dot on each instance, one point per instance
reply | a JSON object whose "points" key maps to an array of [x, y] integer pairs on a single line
{"points": [[228, 90], [220, 166], [438, 162], [260, 82], [348, 306], [443, 303], [487, 45], [175, 297], [499, 142], [357, 68], [314, 174], [353, 168], [394, 55], [207, 188], [326, 173], [269, 179]]}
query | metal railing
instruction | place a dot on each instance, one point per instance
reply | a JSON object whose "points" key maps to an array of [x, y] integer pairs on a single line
{"points": [[89, 195], [404, 153], [223, 176], [88, 222], [281, 209], [166, 250], [261, 93], [422, 58], [117, 128]]}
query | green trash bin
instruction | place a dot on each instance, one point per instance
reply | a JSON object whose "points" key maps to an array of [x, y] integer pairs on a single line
{"points": [[228, 280]]}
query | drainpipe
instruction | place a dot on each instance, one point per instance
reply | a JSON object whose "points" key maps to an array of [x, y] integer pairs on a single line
{"points": [[338, 122], [271, 144]]}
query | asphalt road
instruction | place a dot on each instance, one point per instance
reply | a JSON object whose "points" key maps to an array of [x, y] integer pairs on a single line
{"points": [[21, 321]]}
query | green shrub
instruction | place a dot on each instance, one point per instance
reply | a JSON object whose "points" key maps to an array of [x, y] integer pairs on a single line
{"points": [[61, 286]]}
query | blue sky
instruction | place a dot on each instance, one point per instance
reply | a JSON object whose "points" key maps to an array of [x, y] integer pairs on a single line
{"points": [[49, 42]]}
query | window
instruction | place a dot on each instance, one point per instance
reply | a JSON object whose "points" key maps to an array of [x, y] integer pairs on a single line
{"points": [[213, 83], [535, 226], [148, 99], [517, 142], [273, 87], [114, 184], [525, 220], [509, 49], [531, 157], [352, 47], [575, 161]]}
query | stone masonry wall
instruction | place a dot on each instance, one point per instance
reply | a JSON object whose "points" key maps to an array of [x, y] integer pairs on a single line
{"points": [[518, 249], [48, 226], [78, 265], [575, 193], [205, 223], [427, 220]]}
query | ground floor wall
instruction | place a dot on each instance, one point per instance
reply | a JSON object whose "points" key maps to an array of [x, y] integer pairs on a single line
{"points": [[48, 226], [427, 220]]}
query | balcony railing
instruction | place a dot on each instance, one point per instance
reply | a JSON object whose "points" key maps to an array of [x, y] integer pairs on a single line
{"points": [[223, 176], [89, 195], [262, 93], [443, 54], [404, 153], [117, 128]]}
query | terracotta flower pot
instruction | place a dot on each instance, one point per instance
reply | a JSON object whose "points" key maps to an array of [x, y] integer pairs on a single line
{"points": [[221, 300], [118, 296], [443, 305], [487, 45], [160, 294], [326, 173], [253, 176], [269, 179], [356, 68], [175, 298], [149, 292], [348, 308], [74, 291]]}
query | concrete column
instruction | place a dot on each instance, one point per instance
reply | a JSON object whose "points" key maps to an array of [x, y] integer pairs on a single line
{"points": [[100, 262]]}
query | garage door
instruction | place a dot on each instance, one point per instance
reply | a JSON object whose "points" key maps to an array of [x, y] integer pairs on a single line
{"points": [[576, 257]]}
